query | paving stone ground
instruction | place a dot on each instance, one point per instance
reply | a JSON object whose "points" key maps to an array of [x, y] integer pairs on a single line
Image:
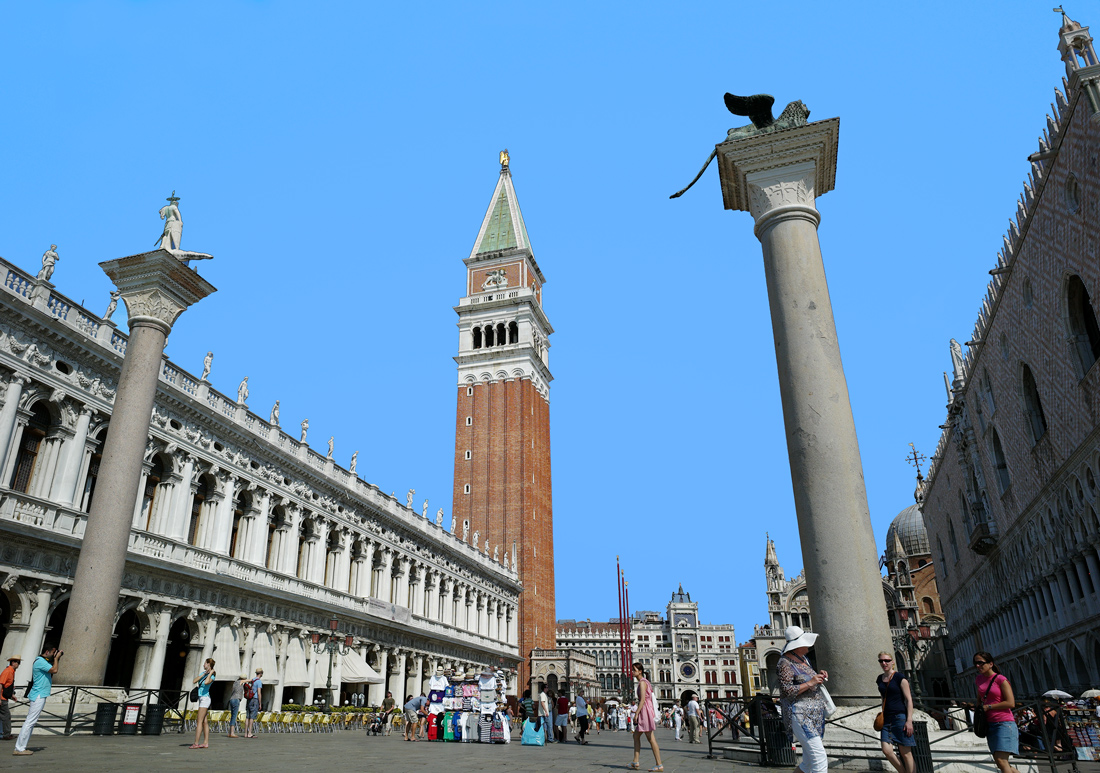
{"points": [[348, 751], [355, 751]]}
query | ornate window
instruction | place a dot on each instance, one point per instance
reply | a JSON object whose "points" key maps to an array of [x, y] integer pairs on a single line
{"points": [[954, 543], [93, 471], [477, 337], [149, 496], [29, 444], [999, 463], [1033, 406], [513, 333], [1083, 330]]}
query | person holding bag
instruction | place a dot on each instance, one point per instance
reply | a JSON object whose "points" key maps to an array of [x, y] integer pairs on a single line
{"points": [[897, 715], [802, 704], [993, 718], [202, 726], [646, 721]]}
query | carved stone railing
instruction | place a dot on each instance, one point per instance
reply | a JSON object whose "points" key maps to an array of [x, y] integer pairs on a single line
{"points": [[497, 295], [49, 517]]}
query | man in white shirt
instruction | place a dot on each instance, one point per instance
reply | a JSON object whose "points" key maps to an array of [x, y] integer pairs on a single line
{"points": [[544, 715], [693, 717], [677, 718], [581, 707]]}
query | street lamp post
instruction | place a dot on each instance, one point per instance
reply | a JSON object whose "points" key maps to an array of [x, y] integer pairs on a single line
{"points": [[916, 640], [331, 644]]}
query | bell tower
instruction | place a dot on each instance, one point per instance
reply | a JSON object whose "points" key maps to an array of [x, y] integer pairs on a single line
{"points": [[502, 429]]}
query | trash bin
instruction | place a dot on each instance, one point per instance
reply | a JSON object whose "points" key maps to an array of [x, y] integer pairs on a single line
{"points": [[922, 751], [105, 719], [776, 746], [128, 722], [154, 719]]}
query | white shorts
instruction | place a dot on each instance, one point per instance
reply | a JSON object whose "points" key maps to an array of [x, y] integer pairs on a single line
{"points": [[204, 702]]}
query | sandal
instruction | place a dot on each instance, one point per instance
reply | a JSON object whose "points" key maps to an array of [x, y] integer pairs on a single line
{"points": [[657, 769], [634, 766], [194, 746]]}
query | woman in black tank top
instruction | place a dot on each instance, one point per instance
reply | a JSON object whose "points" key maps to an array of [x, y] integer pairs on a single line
{"points": [[897, 716]]}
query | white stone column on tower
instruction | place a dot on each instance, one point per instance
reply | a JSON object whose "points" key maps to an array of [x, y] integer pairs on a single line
{"points": [[415, 679], [289, 542], [8, 415], [68, 480], [35, 636], [385, 583], [376, 692], [162, 624], [777, 176], [157, 287], [177, 518]]}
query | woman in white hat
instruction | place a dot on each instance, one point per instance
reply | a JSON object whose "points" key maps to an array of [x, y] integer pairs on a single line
{"points": [[801, 700]]}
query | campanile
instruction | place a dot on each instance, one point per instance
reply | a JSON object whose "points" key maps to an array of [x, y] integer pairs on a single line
{"points": [[502, 429]]}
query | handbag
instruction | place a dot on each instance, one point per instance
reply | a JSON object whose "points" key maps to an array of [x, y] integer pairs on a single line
{"points": [[981, 721], [880, 721], [830, 707], [193, 696]]}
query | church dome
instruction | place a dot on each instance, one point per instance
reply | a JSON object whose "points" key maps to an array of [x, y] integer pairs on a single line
{"points": [[910, 531]]}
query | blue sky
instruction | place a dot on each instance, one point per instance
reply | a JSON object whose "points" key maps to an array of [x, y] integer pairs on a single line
{"points": [[337, 159]]}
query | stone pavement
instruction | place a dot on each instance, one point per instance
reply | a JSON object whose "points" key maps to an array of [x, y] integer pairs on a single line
{"points": [[348, 751]]}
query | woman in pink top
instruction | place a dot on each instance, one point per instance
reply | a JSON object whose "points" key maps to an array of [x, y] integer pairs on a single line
{"points": [[996, 697], [645, 721]]}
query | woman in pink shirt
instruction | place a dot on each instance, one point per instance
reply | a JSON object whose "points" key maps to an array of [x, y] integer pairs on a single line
{"points": [[996, 697]]}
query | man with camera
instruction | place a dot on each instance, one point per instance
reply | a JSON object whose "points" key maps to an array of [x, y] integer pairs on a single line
{"points": [[45, 666]]}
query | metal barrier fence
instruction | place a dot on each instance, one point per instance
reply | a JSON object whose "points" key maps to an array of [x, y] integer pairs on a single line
{"points": [[1043, 730], [72, 720]]}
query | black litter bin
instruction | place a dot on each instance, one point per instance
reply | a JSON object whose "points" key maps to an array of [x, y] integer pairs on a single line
{"points": [[154, 719], [922, 751], [128, 722], [105, 719], [776, 746]]}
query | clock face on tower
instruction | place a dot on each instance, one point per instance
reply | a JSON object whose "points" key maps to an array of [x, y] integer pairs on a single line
{"points": [[687, 670]]}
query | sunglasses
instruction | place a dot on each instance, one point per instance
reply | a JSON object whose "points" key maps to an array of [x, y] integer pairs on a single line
{"points": [[885, 660], [981, 662]]}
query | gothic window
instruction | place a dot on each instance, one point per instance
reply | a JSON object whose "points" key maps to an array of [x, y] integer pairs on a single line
{"points": [[149, 496], [929, 607], [987, 391], [999, 463], [477, 338], [954, 543], [1033, 407], [964, 508], [1083, 330], [943, 556], [502, 336], [93, 471], [29, 444], [513, 333], [488, 335], [198, 504]]}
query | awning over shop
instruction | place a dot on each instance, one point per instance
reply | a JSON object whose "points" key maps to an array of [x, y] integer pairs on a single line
{"points": [[355, 670], [227, 654], [263, 656], [297, 672]]}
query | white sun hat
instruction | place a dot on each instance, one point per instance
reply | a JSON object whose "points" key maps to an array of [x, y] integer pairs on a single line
{"points": [[796, 638]]}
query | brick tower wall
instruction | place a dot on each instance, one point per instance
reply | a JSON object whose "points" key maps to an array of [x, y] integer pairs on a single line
{"points": [[510, 493]]}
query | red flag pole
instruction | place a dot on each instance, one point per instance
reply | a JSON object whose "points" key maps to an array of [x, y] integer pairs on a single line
{"points": [[629, 637], [622, 639]]}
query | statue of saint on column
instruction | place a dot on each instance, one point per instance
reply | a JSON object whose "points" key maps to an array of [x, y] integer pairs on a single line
{"points": [[242, 391], [274, 420], [207, 361], [115, 295], [173, 225]]}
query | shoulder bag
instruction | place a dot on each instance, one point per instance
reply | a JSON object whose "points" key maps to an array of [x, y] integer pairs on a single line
{"points": [[981, 721]]}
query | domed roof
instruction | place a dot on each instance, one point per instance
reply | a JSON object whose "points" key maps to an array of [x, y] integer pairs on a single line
{"points": [[909, 529]]}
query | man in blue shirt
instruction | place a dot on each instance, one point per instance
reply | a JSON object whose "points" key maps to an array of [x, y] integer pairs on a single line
{"points": [[411, 719], [45, 666], [252, 710], [582, 717]]}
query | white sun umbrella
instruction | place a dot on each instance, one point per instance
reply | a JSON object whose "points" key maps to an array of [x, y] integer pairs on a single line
{"points": [[1091, 694], [1059, 694]]}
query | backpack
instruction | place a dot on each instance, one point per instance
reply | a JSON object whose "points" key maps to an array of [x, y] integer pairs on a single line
{"points": [[248, 691]]}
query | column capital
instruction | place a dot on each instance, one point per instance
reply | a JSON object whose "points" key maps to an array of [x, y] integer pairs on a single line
{"points": [[156, 287], [763, 173]]}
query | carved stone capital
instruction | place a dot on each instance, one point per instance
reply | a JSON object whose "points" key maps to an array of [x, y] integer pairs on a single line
{"points": [[156, 287], [786, 169]]}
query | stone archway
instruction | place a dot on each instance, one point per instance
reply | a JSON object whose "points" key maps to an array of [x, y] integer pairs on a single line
{"points": [[178, 647], [124, 649]]}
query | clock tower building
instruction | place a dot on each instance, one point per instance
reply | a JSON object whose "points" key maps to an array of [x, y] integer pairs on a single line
{"points": [[502, 491]]}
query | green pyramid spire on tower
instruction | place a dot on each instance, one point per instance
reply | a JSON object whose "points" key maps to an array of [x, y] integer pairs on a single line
{"points": [[503, 227]]}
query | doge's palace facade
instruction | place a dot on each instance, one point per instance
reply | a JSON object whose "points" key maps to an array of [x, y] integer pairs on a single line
{"points": [[244, 540]]}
